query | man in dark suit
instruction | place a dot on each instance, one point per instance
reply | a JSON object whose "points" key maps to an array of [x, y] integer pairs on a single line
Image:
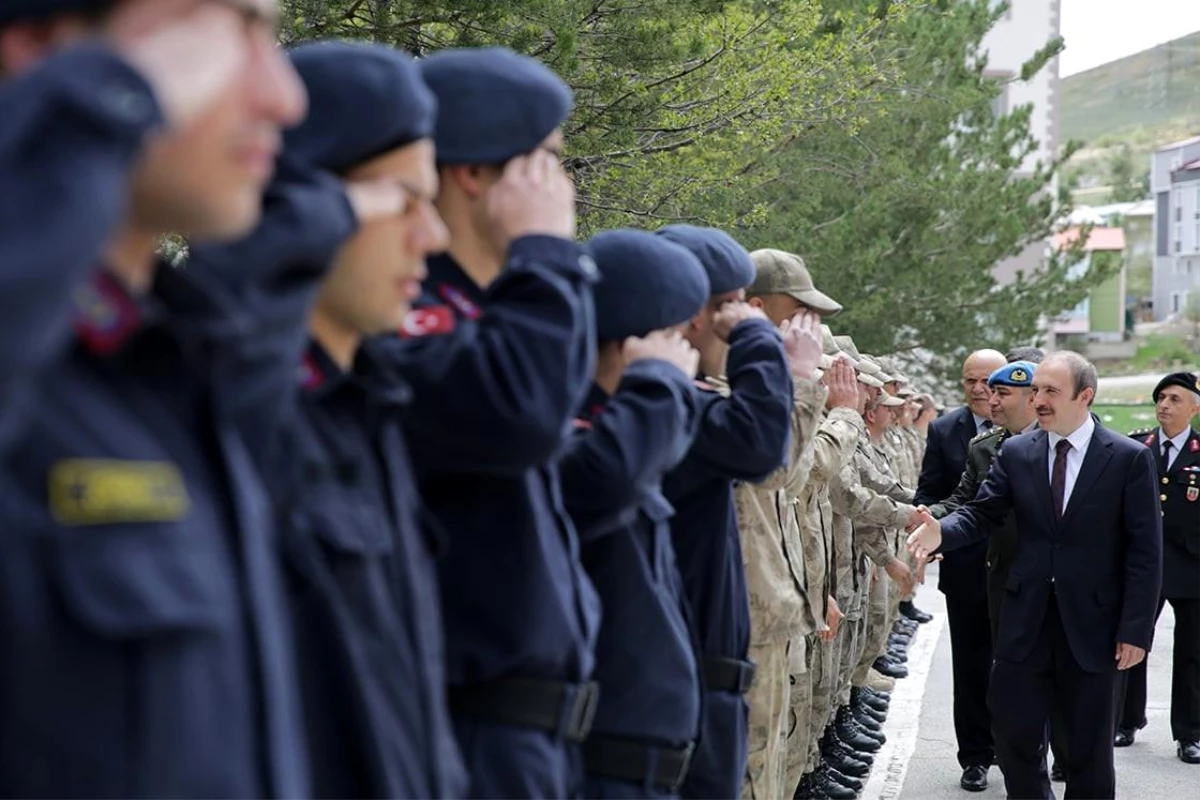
{"points": [[1176, 447], [963, 574], [1083, 588]]}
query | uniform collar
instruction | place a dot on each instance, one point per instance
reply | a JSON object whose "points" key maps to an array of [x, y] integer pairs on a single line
{"points": [[1177, 442], [449, 284], [320, 376], [594, 403]]}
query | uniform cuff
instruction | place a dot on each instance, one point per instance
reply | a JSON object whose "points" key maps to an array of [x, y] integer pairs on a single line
{"points": [[106, 89], [564, 254]]}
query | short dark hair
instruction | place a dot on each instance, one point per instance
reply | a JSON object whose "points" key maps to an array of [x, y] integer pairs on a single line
{"points": [[1033, 355], [1083, 372]]}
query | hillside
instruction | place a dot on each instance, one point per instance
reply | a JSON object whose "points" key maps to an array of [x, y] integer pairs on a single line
{"points": [[1154, 89]]}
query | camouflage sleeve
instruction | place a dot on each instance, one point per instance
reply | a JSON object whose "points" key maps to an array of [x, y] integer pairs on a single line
{"points": [[875, 479], [835, 442], [863, 506], [808, 399], [873, 541]]}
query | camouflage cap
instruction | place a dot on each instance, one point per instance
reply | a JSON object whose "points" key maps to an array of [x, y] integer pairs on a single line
{"points": [[777, 272], [891, 400], [845, 345]]}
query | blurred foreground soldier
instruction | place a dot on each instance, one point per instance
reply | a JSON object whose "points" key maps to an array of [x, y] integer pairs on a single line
{"points": [[146, 645], [362, 575], [962, 576], [743, 436], [1013, 414], [1176, 447], [783, 612], [638, 422], [499, 354]]}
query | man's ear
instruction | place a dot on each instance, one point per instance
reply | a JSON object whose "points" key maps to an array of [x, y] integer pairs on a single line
{"points": [[467, 177], [755, 301]]}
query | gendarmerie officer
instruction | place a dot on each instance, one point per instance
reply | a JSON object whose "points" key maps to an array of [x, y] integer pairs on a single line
{"points": [[146, 645], [362, 578], [1176, 447], [638, 422], [743, 435], [499, 352]]}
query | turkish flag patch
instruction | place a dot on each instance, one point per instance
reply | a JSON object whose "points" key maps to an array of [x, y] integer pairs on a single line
{"points": [[427, 322]]}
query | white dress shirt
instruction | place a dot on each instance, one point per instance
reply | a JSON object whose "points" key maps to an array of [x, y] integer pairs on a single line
{"points": [[1176, 444], [1080, 439]]}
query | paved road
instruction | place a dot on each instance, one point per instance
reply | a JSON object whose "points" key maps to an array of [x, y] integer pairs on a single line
{"points": [[1130, 381], [918, 761]]}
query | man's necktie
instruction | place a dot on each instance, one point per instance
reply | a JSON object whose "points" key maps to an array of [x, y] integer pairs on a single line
{"points": [[1058, 481], [986, 425], [1166, 457]]}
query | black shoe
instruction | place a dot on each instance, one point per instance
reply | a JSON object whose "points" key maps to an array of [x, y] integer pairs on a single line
{"points": [[865, 721], [864, 710], [872, 694], [897, 656], [899, 639], [974, 779], [853, 784], [806, 789], [829, 788], [915, 614], [1124, 737], [831, 743], [845, 761], [874, 733], [852, 736], [890, 668], [1188, 751], [1056, 774]]}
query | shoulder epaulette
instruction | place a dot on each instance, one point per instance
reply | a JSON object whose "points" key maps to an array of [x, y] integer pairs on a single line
{"points": [[995, 430], [1141, 432]]}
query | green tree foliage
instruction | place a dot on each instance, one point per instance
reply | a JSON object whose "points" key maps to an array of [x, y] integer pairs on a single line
{"points": [[675, 99], [904, 218], [1126, 180]]}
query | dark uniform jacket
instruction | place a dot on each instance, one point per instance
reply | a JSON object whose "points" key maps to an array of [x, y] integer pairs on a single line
{"points": [[1003, 538], [1179, 493], [146, 642]]}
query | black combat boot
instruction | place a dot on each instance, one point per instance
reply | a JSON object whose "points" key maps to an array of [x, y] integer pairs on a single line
{"points": [[828, 787], [852, 735]]}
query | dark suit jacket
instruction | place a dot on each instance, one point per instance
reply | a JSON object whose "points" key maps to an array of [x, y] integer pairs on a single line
{"points": [[961, 574], [1179, 492], [1103, 559]]}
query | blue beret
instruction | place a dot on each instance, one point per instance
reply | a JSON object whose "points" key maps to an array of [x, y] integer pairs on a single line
{"points": [[727, 263], [646, 283], [493, 104], [12, 10], [1018, 373], [364, 100]]}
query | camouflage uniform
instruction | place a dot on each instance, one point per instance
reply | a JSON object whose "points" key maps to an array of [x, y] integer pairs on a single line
{"points": [[781, 611]]}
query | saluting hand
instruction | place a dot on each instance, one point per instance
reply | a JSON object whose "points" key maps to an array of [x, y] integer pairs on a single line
{"points": [[927, 537], [842, 384], [533, 197], [730, 314], [663, 346], [802, 343]]}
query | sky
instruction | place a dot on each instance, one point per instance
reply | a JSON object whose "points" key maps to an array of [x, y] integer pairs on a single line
{"points": [[1099, 31]]}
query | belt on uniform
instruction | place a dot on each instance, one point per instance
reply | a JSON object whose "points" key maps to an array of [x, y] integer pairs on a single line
{"points": [[662, 768], [728, 674], [563, 709]]}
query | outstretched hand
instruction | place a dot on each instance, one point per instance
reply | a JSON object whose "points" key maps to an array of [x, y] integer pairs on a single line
{"points": [[927, 537]]}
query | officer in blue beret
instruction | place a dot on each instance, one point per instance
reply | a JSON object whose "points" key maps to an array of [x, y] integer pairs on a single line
{"points": [[499, 352], [638, 422], [362, 575], [744, 436], [146, 643]]}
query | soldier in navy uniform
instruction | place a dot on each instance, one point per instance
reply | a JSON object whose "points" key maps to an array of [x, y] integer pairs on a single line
{"points": [[638, 422], [499, 352], [1176, 447], [361, 572], [743, 435], [147, 650]]}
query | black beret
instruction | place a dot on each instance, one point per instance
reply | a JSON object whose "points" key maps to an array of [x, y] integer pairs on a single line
{"points": [[13, 10], [727, 263], [646, 283], [493, 104], [1185, 379], [364, 100]]}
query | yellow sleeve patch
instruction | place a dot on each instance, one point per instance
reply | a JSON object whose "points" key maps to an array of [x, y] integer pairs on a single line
{"points": [[100, 491]]}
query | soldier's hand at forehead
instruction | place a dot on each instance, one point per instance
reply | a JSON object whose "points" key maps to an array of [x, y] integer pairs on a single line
{"points": [[663, 346], [534, 196], [378, 199], [802, 343], [732, 313], [188, 51], [842, 384]]}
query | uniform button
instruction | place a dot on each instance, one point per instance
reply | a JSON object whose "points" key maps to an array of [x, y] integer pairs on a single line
{"points": [[588, 265], [1166, 480], [1162, 497], [125, 103]]}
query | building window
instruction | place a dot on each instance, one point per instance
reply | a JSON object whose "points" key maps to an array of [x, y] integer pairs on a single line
{"points": [[1178, 236], [1178, 301]]}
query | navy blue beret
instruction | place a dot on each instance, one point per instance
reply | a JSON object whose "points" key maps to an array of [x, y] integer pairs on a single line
{"points": [[727, 263], [493, 104], [364, 100], [646, 283], [1185, 380], [1017, 373], [12, 10]]}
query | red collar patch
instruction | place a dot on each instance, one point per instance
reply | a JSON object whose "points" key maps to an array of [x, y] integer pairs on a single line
{"points": [[311, 377], [429, 321], [1195, 445], [455, 297], [105, 315], [583, 424], [1149, 440]]}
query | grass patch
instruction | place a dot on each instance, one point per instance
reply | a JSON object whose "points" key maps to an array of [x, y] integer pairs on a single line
{"points": [[1159, 353], [1124, 419]]}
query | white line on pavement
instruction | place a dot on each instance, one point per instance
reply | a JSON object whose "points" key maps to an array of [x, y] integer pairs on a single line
{"points": [[904, 716]]}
